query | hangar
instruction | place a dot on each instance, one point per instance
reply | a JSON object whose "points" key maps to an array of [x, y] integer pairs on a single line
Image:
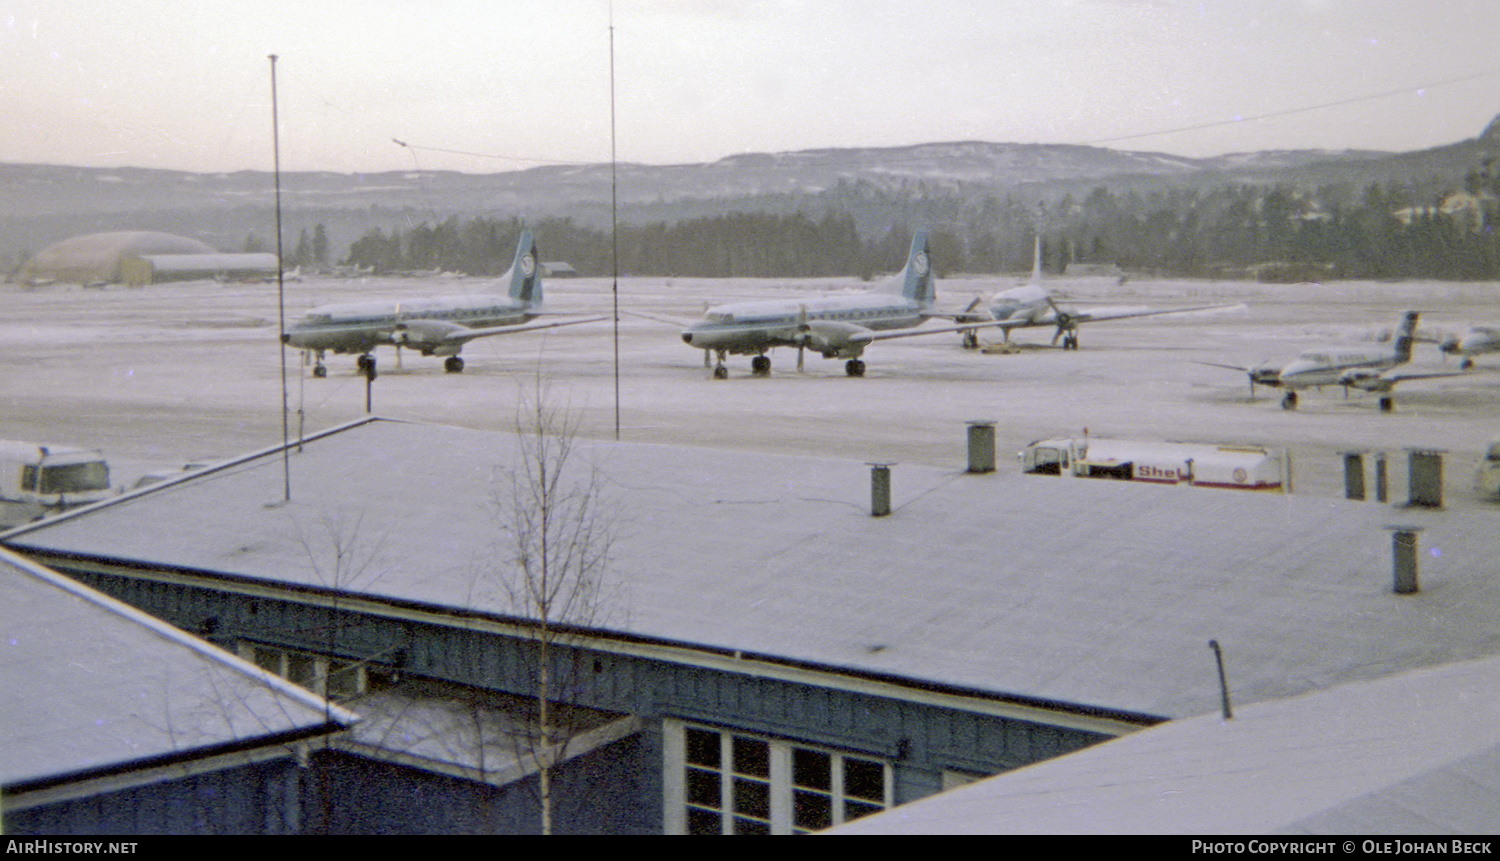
{"points": [[785, 660], [138, 257]]}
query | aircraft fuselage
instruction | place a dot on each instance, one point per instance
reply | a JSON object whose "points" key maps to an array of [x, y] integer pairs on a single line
{"points": [[754, 327], [359, 327], [1027, 304], [1326, 368]]}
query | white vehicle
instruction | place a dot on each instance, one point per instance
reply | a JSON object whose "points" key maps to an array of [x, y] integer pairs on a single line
{"points": [[37, 480], [1196, 464], [1487, 476]]}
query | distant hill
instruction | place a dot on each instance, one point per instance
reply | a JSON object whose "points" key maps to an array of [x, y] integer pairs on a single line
{"points": [[45, 203]]}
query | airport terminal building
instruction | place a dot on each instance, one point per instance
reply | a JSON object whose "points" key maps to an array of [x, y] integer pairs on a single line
{"points": [[760, 653]]}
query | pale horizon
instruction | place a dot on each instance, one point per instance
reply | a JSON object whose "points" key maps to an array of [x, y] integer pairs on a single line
{"points": [[479, 87]]}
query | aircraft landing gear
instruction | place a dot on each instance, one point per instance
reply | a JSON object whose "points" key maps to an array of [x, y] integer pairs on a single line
{"points": [[1289, 401], [320, 370], [761, 366], [1070, 341], [453, 365], [1387, 403], [721, 372], [971, 340], [854, 368]]}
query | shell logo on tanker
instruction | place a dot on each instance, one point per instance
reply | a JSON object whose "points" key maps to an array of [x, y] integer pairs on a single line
{"points": [[1149, 473], [1240, 476]]}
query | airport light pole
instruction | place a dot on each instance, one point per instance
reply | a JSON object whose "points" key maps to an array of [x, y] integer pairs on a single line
{"points": [[286, 462]]}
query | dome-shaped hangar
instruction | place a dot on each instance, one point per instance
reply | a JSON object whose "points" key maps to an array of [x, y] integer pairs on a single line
{"points": [[95, 258]]}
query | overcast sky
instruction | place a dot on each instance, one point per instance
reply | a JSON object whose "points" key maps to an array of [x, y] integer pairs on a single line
{"points": [[492, 85]]}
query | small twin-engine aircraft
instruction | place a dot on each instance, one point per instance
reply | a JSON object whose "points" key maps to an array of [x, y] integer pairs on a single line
{"points": [[1477, 340], [1370, 369], [837, 326], [433, 326]]}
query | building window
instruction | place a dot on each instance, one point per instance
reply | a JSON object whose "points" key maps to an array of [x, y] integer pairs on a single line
{"points": [[329, 678], [723, 782]]}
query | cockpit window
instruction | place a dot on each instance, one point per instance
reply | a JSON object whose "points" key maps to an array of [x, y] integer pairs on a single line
{"points": [[719, 317]]}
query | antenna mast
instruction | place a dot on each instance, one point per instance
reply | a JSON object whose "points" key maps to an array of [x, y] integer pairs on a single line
{"points": [[286, 462], [614, 240]]}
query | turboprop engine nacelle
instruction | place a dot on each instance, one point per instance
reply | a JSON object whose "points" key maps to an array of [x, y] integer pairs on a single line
{"points": [[431, 337]]}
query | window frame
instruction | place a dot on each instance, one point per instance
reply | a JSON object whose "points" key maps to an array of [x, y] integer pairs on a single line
{"points": [[781, 790]]}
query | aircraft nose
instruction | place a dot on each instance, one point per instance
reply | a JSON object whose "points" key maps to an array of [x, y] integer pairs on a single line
{"points": [[687, 337]]}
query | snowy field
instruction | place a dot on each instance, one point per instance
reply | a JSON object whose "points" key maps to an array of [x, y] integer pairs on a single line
{"points": [[171, 374]]}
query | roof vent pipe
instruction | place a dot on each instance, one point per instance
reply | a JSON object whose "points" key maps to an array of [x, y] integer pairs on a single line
{"points": [[981, 446], [1425, 478], [880, 489], [1354, 475], [1380, 477], [1404, 558]]}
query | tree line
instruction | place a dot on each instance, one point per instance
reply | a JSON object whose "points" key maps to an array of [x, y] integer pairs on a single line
{"points": [[1233, 230]]}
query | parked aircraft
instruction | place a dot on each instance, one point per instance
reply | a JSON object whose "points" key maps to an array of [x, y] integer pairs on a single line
{"points": [[1477, 340], [433, 326], [837, 326], [1370, 369], [1032, 304]]}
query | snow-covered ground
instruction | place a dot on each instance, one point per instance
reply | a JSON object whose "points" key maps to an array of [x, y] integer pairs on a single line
{"points": [[170, 374]]}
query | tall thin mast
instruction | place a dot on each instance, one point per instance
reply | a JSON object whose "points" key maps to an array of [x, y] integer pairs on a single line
{"points": [[286, 436]]}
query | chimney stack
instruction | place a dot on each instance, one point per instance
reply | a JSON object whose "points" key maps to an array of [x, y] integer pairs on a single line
{"points": [[1425, 478], [880, 489], [1404, 558], [981, 446], [1354, 475]]}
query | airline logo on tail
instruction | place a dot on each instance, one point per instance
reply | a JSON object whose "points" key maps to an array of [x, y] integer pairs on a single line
{"points": [[525, 283], [917, 283]]}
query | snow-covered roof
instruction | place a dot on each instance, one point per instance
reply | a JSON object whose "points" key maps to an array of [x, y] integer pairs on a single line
{"points": [[93, 685], [1414, 753], [1098, 594]]}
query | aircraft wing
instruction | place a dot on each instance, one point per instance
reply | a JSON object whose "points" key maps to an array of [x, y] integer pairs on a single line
{"points": [[678, 323], [869, 335], [471, 334], [1099, 314], [1385, 381], [436, 333], [1403, 372]]}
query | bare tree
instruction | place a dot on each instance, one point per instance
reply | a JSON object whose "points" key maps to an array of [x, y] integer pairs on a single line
{"points": [[556, 531]]}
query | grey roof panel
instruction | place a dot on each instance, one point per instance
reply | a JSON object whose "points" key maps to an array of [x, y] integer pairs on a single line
{"points": [[92, 684], [1097, 593], [1413, 753]]}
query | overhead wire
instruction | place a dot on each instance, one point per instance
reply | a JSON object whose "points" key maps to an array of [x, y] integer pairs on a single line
{"points": [[1418, 89]]}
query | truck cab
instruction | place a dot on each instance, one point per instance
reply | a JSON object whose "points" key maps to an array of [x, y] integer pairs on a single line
{"points": [[37, 479]]}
